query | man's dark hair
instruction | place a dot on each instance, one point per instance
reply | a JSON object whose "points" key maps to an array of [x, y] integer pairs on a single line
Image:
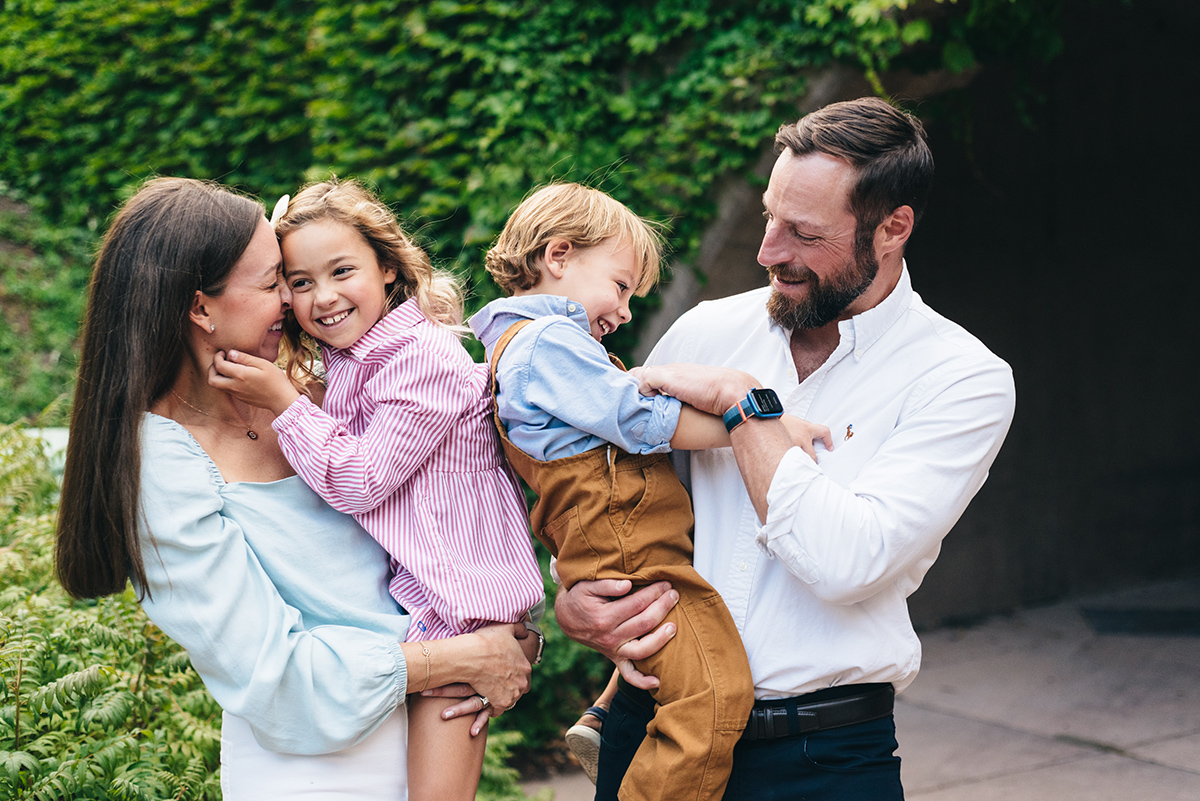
{"points": [[886, 146]]}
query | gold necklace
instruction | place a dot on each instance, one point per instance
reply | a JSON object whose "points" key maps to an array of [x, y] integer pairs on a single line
{"points": [[249, 432]]}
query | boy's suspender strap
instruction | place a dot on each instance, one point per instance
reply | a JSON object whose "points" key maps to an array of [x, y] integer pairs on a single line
{"points": [[502, 343]]}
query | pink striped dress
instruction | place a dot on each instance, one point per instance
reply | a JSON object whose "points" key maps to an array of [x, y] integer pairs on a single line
{"points": [[406, 444]]}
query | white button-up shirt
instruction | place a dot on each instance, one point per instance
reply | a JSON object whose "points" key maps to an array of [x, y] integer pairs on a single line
{"points": [[918, 409]]}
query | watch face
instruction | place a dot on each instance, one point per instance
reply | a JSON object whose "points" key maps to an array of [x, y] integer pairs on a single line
{"points": [[767, 402]]}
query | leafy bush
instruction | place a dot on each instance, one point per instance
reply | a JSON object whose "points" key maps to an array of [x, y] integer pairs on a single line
{"points": [[43, 276], [96, 702], [454, 109]]}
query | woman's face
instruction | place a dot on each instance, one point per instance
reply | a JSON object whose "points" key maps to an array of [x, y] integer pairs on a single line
{"points": [[248, 315]]}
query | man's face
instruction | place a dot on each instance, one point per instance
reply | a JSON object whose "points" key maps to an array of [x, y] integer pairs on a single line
{"points": [[817, 269]]}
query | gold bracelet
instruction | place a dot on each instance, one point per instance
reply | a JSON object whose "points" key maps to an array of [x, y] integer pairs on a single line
{"points": [[428, 666]]}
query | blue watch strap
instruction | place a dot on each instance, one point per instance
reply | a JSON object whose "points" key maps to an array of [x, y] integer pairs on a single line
{"points": [[748, 407]]}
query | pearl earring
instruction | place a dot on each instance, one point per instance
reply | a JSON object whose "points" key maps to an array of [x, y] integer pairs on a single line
{"points": [[211, 328]]}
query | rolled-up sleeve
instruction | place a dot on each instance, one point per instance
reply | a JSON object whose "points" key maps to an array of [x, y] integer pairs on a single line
{"points": [[566, 374]]}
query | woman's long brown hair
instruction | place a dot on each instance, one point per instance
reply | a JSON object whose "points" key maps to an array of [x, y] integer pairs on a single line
{"points": [[172, 238]]}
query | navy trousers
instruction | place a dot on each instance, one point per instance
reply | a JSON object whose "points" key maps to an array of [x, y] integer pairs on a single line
{"points": [[851, 763]]}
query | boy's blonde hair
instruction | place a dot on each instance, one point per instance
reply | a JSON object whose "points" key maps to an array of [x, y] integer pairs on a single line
{"points": [[438, 293], [582, 216]]}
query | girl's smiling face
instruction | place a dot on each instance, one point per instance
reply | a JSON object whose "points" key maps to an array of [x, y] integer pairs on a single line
{"points": [[338, 288]]}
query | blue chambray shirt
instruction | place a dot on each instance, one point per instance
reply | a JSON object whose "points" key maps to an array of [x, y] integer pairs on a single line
{"points": [[559, 393]]}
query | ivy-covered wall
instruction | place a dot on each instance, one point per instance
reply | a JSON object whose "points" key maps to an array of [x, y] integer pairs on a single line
{"points": [[453, 110]]}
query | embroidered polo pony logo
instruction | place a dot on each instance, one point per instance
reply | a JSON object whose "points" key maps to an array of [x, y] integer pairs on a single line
{"points": [[849, 432]]}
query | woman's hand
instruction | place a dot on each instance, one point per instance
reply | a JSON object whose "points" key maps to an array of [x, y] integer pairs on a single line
{"points": [[804, 433], [491, 662], [605, 616], [252, 380]]}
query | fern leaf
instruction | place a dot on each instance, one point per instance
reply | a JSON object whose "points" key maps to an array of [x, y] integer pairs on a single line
{"points": [[80, 684], [13, 762], [109, 710]]}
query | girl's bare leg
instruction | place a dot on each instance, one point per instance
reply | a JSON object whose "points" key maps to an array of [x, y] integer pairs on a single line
{"points": [[444, 760]]}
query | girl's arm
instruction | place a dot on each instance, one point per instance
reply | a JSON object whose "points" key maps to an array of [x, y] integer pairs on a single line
{"points": [[417, 398]]}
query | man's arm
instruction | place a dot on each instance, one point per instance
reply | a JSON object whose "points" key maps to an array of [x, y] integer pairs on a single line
{"points": [[758, 444], [846, 542]]}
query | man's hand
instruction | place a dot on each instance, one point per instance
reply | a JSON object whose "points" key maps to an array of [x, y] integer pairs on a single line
{"points": [[709, 389], [252, 380], [804, 434], [624, 626]]}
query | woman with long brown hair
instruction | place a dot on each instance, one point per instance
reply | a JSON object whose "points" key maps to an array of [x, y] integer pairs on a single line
{"points": [[183, 490]]}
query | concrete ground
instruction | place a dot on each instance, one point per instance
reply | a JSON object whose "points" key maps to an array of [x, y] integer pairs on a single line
{"points": [[1094, 699]]}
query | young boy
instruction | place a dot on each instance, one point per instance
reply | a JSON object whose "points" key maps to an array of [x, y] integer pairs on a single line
{"points": [[594, 450]]}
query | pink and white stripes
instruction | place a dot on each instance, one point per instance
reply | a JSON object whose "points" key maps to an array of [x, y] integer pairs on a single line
{"points": [[406, 444]]}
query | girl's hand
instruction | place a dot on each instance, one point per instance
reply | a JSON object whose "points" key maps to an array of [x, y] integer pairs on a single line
{"points": [[803, 433], [252, 380]]}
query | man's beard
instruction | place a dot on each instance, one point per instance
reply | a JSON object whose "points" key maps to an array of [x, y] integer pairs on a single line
{"points": [[824, 302]]}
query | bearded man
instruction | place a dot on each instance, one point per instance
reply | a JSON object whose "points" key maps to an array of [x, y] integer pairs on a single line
{"points": [[816, 558]]}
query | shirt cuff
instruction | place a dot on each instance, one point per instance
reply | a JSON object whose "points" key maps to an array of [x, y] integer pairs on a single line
{"points": [[664, 419], [299, 408], [775, 538]]}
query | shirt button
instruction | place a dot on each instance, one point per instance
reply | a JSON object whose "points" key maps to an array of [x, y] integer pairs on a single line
{"points": [[571, 307], [858, 354], [742, 567]]}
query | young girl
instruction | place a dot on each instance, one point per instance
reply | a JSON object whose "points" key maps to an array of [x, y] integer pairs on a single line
{"points": [[402, 440]]}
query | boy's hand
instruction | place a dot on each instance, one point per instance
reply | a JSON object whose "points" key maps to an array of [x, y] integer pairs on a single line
{"points": [[252, 380], [804, 433]]}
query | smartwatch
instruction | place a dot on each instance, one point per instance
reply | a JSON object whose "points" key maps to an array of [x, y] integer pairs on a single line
{"points": [[757, 403]]}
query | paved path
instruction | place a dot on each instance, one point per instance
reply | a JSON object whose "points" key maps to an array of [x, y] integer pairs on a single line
{"points": [[1096, 699]]}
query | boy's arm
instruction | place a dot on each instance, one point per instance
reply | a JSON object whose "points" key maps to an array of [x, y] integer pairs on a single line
{"points": [[699, 430]]}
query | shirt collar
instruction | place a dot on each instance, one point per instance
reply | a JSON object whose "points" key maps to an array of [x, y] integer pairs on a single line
{"points": [[393, 324], [490, 323], [869, 326]]}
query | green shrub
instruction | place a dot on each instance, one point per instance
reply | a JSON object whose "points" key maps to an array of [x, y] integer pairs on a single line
{"points": [[43, 278], [453, 109]]}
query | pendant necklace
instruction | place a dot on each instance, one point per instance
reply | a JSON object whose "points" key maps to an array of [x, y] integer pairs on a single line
{"points": [[249, 433]]}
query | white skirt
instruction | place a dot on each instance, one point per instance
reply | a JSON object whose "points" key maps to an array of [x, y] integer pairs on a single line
{"points": [[374, 770]]}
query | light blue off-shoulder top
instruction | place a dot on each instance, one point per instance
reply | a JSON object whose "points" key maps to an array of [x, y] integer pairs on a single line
{"points": [[281, 601]]}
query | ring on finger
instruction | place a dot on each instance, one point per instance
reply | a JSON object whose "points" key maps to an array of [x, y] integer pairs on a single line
{"points": [[483, 701]]}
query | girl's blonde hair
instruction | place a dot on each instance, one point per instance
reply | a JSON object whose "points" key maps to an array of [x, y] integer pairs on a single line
{"points": [[438, 293], [582, 216]]}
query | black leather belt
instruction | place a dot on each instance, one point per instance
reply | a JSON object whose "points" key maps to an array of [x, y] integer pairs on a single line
{"points": [[824, 709]]}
